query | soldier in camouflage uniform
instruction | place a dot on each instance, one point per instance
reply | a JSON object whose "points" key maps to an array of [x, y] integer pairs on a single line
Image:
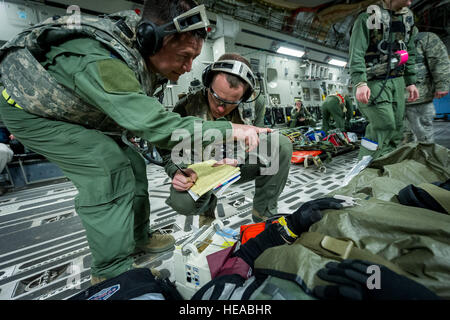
{"points": [[77, 95], [301, 116], [387, 27], [206, 105], [339, 108], [433, 81]]}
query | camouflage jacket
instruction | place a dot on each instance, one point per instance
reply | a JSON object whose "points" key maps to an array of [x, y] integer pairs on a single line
{"points": [[433, 66], [20, 69]]}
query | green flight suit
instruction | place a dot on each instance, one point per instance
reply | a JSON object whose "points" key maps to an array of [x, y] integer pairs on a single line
{"points": [[297, 115], [385, 117], [332, 108], [267, 187], [113, 200]]}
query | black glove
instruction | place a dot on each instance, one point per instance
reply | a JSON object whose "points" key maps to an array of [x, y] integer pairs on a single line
{"points": [[251, 250], [309, 213], [275, 235], [351, 279]]}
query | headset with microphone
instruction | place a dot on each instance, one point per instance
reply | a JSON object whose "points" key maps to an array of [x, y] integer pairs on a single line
{"points": [[236, 68], [149, 36]]}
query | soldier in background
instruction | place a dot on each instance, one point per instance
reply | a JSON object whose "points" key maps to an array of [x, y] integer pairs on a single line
{"points": [[381, 97], [301, 116], [339, 108], [433, 81]]}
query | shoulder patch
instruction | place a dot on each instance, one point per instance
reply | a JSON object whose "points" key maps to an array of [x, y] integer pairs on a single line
{"points": [[117, 76]]}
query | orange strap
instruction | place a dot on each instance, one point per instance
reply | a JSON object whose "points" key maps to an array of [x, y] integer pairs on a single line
{"points": [[249, 231]]}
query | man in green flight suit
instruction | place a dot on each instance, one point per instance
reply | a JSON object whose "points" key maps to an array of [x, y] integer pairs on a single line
{"points": [[78, 95], [301, 116], [340, 109], [221, 97], [384, 32]]}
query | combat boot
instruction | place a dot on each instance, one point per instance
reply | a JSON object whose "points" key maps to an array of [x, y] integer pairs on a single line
{"points": [[95, 280], [257, 217], [157, 242], [207, 217]]}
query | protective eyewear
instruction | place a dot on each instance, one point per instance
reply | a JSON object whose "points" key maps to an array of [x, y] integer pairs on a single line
{"points": [[222, 102]]}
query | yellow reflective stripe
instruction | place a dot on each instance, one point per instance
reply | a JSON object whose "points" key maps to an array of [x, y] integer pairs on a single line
{"points": [[5, 95], [283, 222], [9, 100]]}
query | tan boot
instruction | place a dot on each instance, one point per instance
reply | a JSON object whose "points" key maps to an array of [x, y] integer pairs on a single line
{"points": [[157, 242], [95, 280], [205, 221], [208, 217], [257, 217]]}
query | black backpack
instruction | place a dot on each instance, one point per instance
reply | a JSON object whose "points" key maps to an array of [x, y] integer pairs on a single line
{"points": [[135, 284]]}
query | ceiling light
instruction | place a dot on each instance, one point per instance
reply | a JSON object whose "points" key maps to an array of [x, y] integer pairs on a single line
{"points": [[336, 62], [290, 52]]}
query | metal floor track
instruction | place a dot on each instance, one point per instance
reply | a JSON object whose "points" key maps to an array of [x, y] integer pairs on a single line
{"points": [[43, 248]]}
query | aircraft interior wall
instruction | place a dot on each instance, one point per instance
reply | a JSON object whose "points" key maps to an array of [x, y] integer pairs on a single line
{"points": [[44, 249], [285, 78]]}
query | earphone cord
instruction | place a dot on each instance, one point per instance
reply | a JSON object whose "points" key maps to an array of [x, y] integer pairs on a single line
{"points": [[259, 93]]}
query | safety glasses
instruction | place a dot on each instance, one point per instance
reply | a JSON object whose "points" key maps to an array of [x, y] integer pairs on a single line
{"points": [[221, 102]]}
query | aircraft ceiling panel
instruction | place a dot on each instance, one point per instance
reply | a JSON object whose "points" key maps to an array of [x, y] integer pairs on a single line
{"points": [[297, 3]]}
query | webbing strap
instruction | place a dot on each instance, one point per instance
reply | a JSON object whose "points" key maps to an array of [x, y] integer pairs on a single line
{"points": [[9, 100], [274, 292], [439, 194], [339, 249]]}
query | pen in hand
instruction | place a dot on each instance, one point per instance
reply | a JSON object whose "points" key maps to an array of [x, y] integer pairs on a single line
{"points": [[180, 183], [182, 171]]}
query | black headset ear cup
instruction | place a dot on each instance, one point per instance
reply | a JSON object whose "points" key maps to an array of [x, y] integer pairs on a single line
{"points": [[247, 94], [207, 76], [149, 40]]}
